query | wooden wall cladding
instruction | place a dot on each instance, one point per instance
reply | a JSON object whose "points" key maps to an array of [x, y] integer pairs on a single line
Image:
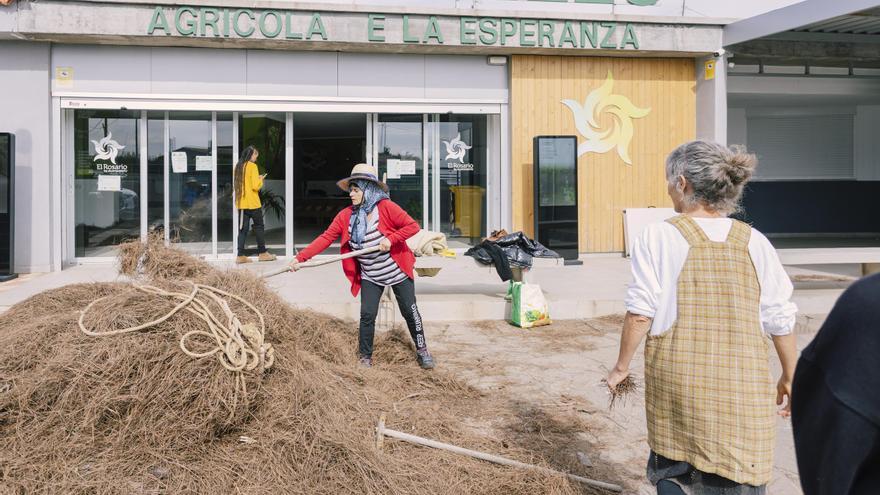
{"points": [[662, 94]]}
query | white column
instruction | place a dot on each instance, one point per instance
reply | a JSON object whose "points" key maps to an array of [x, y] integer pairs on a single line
{"points": [[712, 99], [57, 176], [166, 178], [214, 184], [144, 176], [288, 186]]}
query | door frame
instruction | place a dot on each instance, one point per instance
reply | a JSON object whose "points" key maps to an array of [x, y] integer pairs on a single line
{"points": [[430, 110]]}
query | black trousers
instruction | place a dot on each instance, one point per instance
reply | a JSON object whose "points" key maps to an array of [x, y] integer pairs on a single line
{"points": [[406, 300], [244, 221]]}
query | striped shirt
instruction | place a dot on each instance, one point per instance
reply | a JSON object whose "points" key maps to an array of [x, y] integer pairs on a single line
{"points": [[377, 267]]}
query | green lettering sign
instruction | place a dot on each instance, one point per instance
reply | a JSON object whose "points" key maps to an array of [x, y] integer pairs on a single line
{"points": [[264, 29], [546, 29], [568, 35], [407, 37], [209, 18], [433, 31], [188, 27], [289, 33], [158, 22], [237, 27], [629, 37], [508, 30], [467, 31], [607, 42], [589, 32], [524, 34], [375, 23], [484, 31], [316, 26], [488, 31]]}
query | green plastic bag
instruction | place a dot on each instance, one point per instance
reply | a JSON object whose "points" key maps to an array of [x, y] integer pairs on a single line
{"points": [[529, 308]]}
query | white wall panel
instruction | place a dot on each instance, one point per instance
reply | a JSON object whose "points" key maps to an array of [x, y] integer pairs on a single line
{"points": [[375, 75], [278, 73], [198, 71], [26, 107], [100, 69], [464, 77]]}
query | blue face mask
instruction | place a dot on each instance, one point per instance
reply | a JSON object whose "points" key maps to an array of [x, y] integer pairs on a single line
{"points": [[372, 195]]}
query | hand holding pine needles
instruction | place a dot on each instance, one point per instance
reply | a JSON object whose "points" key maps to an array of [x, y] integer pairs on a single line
{"points": [[622, 390]]}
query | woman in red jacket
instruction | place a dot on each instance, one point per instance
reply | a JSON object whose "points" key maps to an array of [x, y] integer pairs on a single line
{"points": [[374, 220]]}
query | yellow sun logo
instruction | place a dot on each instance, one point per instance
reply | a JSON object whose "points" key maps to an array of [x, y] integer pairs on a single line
{"points": [[587, 117]]}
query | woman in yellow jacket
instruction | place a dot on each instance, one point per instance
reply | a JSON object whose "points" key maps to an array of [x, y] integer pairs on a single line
{"points": [[248, 182]]}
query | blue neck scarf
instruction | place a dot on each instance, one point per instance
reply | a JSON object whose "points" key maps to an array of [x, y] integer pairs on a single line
{"points": [[372, 195]]}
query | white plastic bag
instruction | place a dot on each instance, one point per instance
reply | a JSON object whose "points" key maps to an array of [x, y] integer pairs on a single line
{"points": [[529, 308]]}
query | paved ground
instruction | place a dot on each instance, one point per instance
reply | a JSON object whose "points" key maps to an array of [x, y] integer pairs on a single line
{"points": [[460, 291], [558, 369], [555, 368]]}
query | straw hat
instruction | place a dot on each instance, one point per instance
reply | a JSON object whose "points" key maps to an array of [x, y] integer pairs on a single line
{"points": [[362, 171]]}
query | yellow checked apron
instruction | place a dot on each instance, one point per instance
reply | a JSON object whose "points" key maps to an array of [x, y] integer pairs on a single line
{"points": [[709, 395]]}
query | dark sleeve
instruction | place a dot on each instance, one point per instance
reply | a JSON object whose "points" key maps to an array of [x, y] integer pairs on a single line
{"points": [[836, 398], [837, 448]]}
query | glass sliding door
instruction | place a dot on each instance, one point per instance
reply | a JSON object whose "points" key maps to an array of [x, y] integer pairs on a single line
{"points": [[225, 163], [190, 180], [400, 151], [459, 179], [266, 132], [325, 148], [106, 173], [156, 158]]}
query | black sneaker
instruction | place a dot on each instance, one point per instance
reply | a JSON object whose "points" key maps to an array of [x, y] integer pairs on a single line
{"points": [[425, 360], [366, 362]]}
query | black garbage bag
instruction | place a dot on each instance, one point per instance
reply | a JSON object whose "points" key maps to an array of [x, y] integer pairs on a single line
{"points": [[520, 249], [517, 248]]}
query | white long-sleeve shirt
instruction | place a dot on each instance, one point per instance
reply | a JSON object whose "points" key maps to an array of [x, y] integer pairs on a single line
{"points": [[659, 255]]}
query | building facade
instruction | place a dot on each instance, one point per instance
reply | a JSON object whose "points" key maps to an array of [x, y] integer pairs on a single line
{"points": [[129, 116]]}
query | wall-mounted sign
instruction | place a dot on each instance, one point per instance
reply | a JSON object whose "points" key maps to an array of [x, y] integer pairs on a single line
{"points": [[214, 22], [393, 168], [709, 70], [178, 162], [587, 120], [64, 77], [109, 182], [107, 149], [204, 163], [456, 151]]}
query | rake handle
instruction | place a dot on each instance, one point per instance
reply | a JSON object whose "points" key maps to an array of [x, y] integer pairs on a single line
{"points": [[310, 264], [382, 432]]}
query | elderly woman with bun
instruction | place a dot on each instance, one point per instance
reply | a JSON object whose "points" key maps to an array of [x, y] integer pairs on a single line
{"points": [[374, 221], [709, 293]]}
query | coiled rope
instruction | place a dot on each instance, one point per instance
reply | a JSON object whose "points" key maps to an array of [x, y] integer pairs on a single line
{"points": [[238, 347]]}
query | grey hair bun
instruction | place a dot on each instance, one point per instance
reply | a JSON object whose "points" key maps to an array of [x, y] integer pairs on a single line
{"points": [[738, 164]]}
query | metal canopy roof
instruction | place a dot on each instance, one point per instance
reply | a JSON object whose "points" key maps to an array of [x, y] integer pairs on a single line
{"points": [[865, 22]]}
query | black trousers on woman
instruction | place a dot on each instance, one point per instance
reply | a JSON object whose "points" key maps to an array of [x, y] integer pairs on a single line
{"points": [[406, 300], [244, 223]]}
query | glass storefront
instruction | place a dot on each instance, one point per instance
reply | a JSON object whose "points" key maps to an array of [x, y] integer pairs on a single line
{"points": [[266, 132], [435, 164], [107, 187], [461, 178], [325, 147]]}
